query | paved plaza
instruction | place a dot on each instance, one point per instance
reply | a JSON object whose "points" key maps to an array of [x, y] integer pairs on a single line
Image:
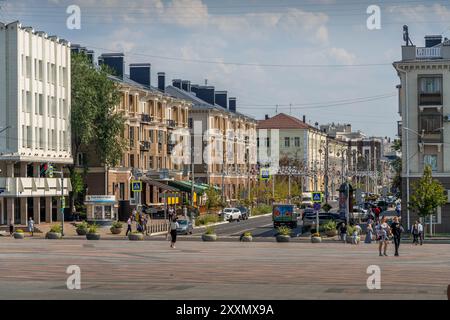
{"points": [[111, 269]]}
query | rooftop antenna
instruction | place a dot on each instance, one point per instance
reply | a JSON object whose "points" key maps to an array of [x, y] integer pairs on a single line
{"points": [[406, 37], [276, 109], [290, 109]]}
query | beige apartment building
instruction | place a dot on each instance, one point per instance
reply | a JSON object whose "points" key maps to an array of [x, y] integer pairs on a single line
{"points": [[155, 123], [223, 140], [424, 96]]}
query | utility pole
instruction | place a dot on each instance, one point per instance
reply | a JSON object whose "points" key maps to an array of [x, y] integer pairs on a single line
{"points": [[326, 170], [62, 199]]}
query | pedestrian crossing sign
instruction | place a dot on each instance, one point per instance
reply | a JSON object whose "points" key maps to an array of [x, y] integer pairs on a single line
{"points": [[136, 186], [317, 197]]}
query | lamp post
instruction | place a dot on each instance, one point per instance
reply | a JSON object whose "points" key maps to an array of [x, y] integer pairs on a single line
{"points": [[62, 198]]}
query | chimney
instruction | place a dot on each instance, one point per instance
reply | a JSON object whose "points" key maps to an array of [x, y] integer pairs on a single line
{"points": [[206, 93], [266, 117], [221, 99], [162, 81], [232, 104], [431, 41], [176, 83], [186, 85], [140, 73], [304, 119], [116, 61]]}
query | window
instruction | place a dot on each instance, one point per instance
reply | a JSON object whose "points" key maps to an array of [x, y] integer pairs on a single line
{"points": [[41, 70], [28, 101], [287, 142], [131, 161], [29, 138], [131, 136], [297, 141], [431, 160], [41, 138], [430, 91], [430, 123], [190, 123], [41, 104], [80, 159], [122, 191], [268, 142]]}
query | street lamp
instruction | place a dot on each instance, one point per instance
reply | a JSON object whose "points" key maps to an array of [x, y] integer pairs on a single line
{"points": [[62, 198]]}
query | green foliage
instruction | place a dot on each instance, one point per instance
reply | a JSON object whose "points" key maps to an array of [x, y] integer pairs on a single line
{"points": [[93, 228], [427, 194], [19, 231], [56, 228], [261, 209], [77, 181], [206, 219], [284, 231], [94, 119], [330, 225], [117, 224], [350, 230], [82, 226], [213, 198], [210, 230], [247, 234]]}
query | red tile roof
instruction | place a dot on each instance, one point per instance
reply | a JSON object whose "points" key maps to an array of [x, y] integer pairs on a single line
{"points": [[283, 121]]}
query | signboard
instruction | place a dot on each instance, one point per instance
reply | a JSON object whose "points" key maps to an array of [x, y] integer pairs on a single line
{"points": [[2, 190], [317, 197], [316, 206], [101, 199], [136, 186], [264, 174]]}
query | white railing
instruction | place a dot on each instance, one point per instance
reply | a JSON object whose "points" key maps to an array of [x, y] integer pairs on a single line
{"points": [[424, 53]]}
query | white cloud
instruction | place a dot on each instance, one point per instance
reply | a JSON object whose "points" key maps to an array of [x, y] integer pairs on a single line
{"points": [[341, 55]]}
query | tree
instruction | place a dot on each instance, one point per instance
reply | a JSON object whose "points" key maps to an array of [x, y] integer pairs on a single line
{"points": [[213, 198], [95, 123], [427, 195]]}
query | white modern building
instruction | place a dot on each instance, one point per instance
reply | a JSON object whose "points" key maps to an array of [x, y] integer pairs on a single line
{"points": [[34, 123]]}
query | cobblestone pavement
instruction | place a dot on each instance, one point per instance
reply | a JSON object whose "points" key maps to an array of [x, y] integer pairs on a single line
{"points": [[36, 269]]}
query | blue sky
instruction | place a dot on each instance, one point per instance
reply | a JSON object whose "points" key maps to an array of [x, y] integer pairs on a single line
{"points": [[329, 34]]}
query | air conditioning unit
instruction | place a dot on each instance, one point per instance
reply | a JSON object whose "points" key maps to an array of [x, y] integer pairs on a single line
{"points": [[447, 118]]}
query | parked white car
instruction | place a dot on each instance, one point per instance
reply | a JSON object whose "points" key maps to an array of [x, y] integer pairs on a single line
{"points": [[231, 214]]}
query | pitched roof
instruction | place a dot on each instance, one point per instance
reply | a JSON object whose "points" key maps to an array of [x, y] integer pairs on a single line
{"points": [[283, 121]]}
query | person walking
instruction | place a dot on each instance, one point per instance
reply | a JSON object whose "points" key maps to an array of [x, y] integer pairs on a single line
{"points": [[398, 209], [369, 233], [31, 226], [415, 232], [343, 232], [11, 226], [129, 221], [421, 235], [173, 231], [397, 230], [383, 232], [144, 224]]}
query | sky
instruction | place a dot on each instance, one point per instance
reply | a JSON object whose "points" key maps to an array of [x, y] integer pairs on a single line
{"points": [[315, 58]]}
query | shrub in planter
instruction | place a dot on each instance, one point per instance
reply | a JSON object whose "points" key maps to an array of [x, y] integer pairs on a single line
{"points": [[330, 228], [82, 228], [284, 234], [209, 235], [116, 227], [55, 232], [135, 236], [92, 233], [247, 237], [19, 234]]}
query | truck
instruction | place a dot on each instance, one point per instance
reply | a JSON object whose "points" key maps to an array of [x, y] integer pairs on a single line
{"points": [[284, 214], [307, 199]]}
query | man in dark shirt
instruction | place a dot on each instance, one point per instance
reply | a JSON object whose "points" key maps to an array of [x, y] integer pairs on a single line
{"points": [[397, 232], [343, 232]]}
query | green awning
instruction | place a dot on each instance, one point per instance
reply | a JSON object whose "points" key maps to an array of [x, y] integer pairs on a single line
{"points": [[207, 187], [187, 187]]}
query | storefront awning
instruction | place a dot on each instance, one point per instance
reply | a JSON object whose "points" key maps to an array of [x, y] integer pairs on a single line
{"points": [[160, 185], [187, 187]]}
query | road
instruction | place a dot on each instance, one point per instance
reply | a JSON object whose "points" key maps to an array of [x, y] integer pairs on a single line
{"points": [[260, 227], [122, 269]]}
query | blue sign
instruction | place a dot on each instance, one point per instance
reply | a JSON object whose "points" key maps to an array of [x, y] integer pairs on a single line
{"points": [[317, 197], [2, 190], [316, 206], [136, 186], [265, 174]]}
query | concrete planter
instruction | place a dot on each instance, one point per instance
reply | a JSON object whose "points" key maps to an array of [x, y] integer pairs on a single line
{"points": [[93, 236], [53, 235], [331, 233], [316, 239], [81, 232], [135, 236], [283, 238], [247, 239], [209, 237], [350, 239], [19, 235], [116, 230]]}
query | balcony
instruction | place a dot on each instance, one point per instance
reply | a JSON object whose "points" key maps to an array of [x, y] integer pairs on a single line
{"points": [[430, 99], [146, 118], [145, 145], [171, 123], [430, 125], [428, 53]]}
